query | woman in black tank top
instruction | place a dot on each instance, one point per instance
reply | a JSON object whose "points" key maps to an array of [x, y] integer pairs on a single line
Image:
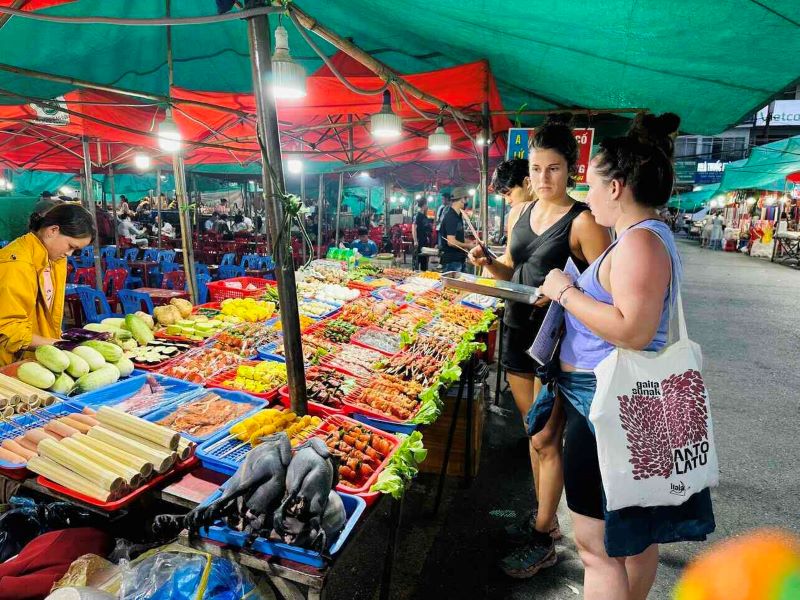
{"points": [[541, 237]]}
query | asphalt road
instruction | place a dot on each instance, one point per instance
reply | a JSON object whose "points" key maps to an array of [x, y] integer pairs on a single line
{"points": [[744, 313]]}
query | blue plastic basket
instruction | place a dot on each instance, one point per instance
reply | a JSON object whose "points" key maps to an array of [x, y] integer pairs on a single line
{"points": [[37, 418], [80, 396], [176, 392], [353, 505], [256, 403], [334, 309], [465, 302], [390, 426], [268, 352]]}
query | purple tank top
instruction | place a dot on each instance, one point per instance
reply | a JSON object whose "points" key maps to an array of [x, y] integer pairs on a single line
{"points": [[580, 347]]}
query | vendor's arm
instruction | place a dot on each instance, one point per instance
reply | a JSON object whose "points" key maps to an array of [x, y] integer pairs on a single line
{"points": [[638, 279], [19, 290], [452, 241], [414, 231]]}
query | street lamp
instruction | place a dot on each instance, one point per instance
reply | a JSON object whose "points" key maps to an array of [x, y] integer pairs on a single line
{"points": [[141, 162], [288, 77], [169, 137], [385, 124]]}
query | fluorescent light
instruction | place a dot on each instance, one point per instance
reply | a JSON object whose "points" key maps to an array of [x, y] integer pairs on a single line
{"points": [[141, 162], [713, 204], [385, 124], [9, 185], [402, 198], [417, 196], [65, 190], [364, 174], [295, 166], [430, 198], [479, 141], [439, 141], [751, 200], [169, 138], [288, 77]]}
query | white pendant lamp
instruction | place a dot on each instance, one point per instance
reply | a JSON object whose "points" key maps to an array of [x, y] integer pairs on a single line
{"points": [[439, 141], [169, 138], [288, 77], [294, 165], [385, 125], [141, 162]]}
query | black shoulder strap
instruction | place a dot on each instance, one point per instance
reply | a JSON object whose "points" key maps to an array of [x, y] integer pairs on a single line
{"points": [[559, 226]]}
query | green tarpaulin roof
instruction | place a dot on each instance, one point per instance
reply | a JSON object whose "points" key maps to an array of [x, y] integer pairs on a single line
{"points": [[712, 63], [693, 201], [765, 169]]}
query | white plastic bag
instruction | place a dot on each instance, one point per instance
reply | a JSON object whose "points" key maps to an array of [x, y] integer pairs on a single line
{"points": [[651, 416]]}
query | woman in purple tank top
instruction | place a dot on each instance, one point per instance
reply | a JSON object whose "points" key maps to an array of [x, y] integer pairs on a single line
{"points": [[622, 300]]}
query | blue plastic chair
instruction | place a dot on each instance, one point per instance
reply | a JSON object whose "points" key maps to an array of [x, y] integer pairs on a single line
{"points": [[202, 287], [169, 267], [135, 301], [88, 252], [133, 281], [108, 252], [85, 261], [3, 243], [75, 266], [200, 268], [116, 263], [94, 303], [131, 254], [151, 254], [228, 271], [228, 259], [166, 256], [252, 261]]}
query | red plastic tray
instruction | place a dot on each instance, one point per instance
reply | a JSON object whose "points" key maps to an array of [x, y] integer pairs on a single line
{"points": [[217, 290], [326, 361], [355, 339], [217, 381], [179, 468], [364, 409]]}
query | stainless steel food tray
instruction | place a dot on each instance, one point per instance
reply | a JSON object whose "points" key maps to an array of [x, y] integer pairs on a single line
{"points": [[498, 288]]}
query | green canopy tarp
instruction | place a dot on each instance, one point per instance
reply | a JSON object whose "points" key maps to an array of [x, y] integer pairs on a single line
{"points": [[712, 63], [691, 202], [765, 169]]}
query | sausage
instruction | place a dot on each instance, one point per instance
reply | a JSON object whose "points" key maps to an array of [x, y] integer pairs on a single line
{"points": [[37, 435], [9, 456], [82, 427], [18, 449], [88, 419], [88, 411], [27, 444], [60, 429]]}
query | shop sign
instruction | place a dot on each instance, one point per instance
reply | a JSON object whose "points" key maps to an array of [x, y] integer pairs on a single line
{"points": [[518, 144], [709, 172], [49, 115], [685, 170], [785, 113]]}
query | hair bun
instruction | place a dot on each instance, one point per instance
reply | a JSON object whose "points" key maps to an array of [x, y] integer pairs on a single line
{"points": [[656, 130], [558, 119]]}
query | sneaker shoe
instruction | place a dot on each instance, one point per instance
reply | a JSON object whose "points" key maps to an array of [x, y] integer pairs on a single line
{"points": [[521, 531], [526, 561]]}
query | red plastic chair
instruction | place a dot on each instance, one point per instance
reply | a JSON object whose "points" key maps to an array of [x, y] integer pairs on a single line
{"points": [[174, 280], [113, 281], [85, 276]]}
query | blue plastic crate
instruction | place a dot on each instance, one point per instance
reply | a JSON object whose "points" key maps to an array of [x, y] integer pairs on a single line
{"points": [[80, 396], [383, 425], [212, 450], [353, 505], [176, 391], [18, 425], [466, 302], [268, 352], [334, 309], [256, 403]]}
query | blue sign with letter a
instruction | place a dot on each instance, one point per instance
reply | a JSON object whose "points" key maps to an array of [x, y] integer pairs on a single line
{"points": [[518, 143]]}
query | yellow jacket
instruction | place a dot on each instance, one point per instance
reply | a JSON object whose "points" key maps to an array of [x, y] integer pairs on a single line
{"points": [[23, 310]]}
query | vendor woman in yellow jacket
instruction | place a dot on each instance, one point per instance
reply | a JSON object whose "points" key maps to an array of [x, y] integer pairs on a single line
{"points": [[33, 275]]}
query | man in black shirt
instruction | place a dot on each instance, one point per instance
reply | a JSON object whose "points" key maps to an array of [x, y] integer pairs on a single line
{"points": [[451, 233], [421, 233]]}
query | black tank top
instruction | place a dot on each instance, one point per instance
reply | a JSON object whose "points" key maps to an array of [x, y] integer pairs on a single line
{"points": [[535, 256]]}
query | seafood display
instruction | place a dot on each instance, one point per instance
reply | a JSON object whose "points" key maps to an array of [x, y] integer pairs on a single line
{"points": [[204, 416]]}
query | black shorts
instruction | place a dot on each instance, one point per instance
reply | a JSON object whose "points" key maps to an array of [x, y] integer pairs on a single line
{"points": [[516, 342], [582, 483]]}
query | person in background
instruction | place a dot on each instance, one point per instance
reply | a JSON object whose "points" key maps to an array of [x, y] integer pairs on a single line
{"points": [[365, 246], [126, 228], [510, 180], [453, 249], [45, 203], [239, 225], [248, 223], [542, 236], [717, 231], [123, 208], [441, 210], [624, 299], [173, 204], [142, 208], [421, 234], [33, 276], [167, 230], [211, 223], [162, 202], [223, 208]]}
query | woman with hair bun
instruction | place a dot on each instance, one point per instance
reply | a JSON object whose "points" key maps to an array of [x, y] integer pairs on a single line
{"points": [[542, 235], [33, 274], [622, 300]]}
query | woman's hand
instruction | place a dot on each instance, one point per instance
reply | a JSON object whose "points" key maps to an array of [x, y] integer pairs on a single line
{"points": [[477, 257], [555, 281]]}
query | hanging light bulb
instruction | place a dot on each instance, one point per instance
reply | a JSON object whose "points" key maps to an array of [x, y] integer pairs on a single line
{"points": [[295, 165], [385, 124], [9, 186], [430, 198], [65, 190], [472, 191], [439, 141], [288, 77], [480, 141], [751, 200], [141, 162], [417, 196], [364, 174], [169, 138]]}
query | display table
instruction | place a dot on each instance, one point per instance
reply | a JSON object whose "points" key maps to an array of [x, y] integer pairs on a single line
{"points": [[787, 245], [160, 296]]}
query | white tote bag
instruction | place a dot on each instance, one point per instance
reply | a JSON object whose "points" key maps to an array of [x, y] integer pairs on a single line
{"points": [[652, 421]]}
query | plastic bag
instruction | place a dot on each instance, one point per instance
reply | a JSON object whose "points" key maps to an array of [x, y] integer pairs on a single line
{"points": [[175, 575]]}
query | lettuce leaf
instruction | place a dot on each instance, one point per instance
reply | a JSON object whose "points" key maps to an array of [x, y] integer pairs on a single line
{"points": [[403, 466]]}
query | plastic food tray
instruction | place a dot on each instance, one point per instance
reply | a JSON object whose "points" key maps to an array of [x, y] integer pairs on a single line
{"points": [[327, 361], [176, 390], [240, 397], [176, 470], [269, 352], [376, 418], [334, 309], [389, 293], [353, 505], [23, 423], [218, 291], [322, 409], [358, 336], [469, 301], [509, 290], [383, 425], [166, 338], [224, 453], [218, 381]]}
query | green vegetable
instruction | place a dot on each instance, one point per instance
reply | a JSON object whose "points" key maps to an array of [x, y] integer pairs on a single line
{"points": [[110, 352], [141, 332], [78, 367], [118, 333], [100, 378], [52, 358], [63, 385], [117, 322], [403, 466], [36, 375], [125, 366], [92, 357], [146, 319], [129, 345]]}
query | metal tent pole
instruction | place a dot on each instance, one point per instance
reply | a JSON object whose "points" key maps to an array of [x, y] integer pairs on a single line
{"points": [[386, 190], [339, 206], [320, 201], [303, 200], [485, 176], [258, 37], [179, 172], [113, 201], [88, 203], [158, 204]]}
